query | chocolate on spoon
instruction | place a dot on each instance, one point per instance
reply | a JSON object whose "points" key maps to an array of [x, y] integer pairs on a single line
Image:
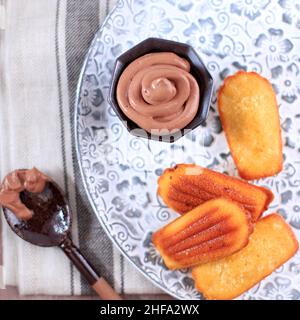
{"points": [[37, 211]]}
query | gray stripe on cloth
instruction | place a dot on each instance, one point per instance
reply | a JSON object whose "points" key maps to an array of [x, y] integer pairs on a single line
{"points": [[82, 22], [122, 273], [61, 117], [107, 7]]}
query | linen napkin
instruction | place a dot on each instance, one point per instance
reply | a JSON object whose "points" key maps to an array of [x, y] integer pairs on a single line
{"points": [[42, 51]]}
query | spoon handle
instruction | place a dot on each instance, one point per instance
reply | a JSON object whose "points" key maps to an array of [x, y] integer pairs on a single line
{"points": [[98, 283]]}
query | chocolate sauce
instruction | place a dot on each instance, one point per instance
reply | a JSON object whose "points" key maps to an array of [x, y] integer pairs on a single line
{"points": [[158, 92], [51, 220]]}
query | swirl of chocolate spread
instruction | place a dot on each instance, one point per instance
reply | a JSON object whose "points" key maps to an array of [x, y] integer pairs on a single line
{"points": [[17, 181], [158, 93]]}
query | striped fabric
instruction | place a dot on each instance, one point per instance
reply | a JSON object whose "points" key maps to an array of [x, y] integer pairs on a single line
{"points": [[42, 51]]}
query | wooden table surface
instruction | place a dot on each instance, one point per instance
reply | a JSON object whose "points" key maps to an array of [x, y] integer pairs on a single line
{"points": [[11, 293]]}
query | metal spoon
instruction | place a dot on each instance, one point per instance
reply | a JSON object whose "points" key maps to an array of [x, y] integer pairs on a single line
{"points": [[50, 226]]}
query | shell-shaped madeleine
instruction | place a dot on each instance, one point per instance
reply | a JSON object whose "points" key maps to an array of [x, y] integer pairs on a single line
{"points": [[209, 232], [186, 186]]}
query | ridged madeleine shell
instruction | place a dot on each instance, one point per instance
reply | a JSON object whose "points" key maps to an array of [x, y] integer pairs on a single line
{"points": [[209, 232], [186, 186]]}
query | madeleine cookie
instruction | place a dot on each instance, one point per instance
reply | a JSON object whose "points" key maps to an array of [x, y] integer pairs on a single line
{"points": [[186, 186], [249, 115], [211, 231], [271, 244]]}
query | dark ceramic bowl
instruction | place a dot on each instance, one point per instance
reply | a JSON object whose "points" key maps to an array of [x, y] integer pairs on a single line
{"points": [[198, 70]]}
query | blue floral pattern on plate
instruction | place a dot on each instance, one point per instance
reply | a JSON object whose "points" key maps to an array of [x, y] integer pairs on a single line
{"points": [[120, 171]]}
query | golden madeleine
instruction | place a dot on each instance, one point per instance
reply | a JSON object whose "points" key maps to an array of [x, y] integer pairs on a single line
{"points": [[250, 118], [186, 186], [209, 232], [271, 244]]}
